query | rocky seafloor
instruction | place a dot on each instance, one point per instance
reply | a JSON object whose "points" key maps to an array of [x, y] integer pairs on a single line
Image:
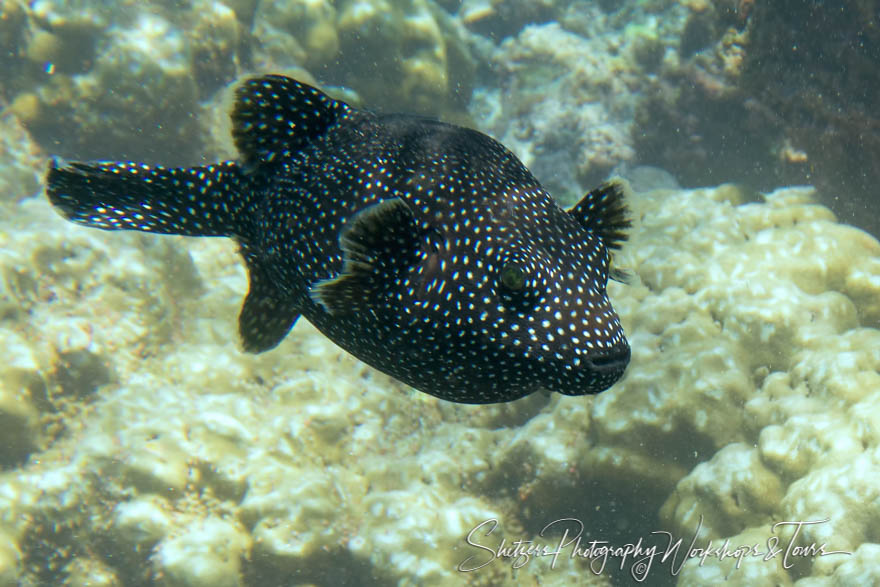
{"points": [[139, 445]]}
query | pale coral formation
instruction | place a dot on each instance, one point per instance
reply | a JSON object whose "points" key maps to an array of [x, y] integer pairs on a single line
{"points": [[796, 368], [741, 568], [724, 495], [204, 552]]}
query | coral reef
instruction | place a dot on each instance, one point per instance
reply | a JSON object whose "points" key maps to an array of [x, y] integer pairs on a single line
{"points": [[169, 454], [95, 80], [497, 19], [819, 77], [695, 117], [410, 45], [772, 93], [562, 94], [556, 107]]}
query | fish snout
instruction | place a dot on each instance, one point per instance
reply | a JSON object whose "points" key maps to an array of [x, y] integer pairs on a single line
{"points": [[612, 361], [596, 373]]}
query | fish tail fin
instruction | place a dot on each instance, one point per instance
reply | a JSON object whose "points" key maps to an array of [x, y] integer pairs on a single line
{"points": [[195, 201]]}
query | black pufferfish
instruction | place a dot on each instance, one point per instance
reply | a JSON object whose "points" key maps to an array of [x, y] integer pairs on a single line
{"points": [[426, 250]]}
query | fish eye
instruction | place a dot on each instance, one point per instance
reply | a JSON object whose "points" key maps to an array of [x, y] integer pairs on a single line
{"points": [[513, 277]]}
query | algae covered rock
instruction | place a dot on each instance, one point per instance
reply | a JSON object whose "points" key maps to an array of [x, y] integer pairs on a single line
{"points": [[501, 18], [218, 48], [799, 82], [137, 99], [372, 45], [129, 81], [848, 489], [109, 80], [20, 387], [10, 561], [18, 154]]}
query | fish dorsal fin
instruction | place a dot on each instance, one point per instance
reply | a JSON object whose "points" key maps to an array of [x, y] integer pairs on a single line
{"points": [[604, 212], [379, 244], [275, 116]]}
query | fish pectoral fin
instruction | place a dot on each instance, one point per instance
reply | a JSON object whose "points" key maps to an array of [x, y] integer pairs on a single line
{"points": [[624, 276], [275, 116], [267, 314], [379, 245], [604, 211]]}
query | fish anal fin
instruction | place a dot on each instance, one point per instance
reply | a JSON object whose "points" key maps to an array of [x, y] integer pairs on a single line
{"points": [[379, 244], [267, 314], [275, 116], [604, 211]]}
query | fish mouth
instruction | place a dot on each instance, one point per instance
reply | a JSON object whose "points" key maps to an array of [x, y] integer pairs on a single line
{"points": [[611, 361], [597, 372]]}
